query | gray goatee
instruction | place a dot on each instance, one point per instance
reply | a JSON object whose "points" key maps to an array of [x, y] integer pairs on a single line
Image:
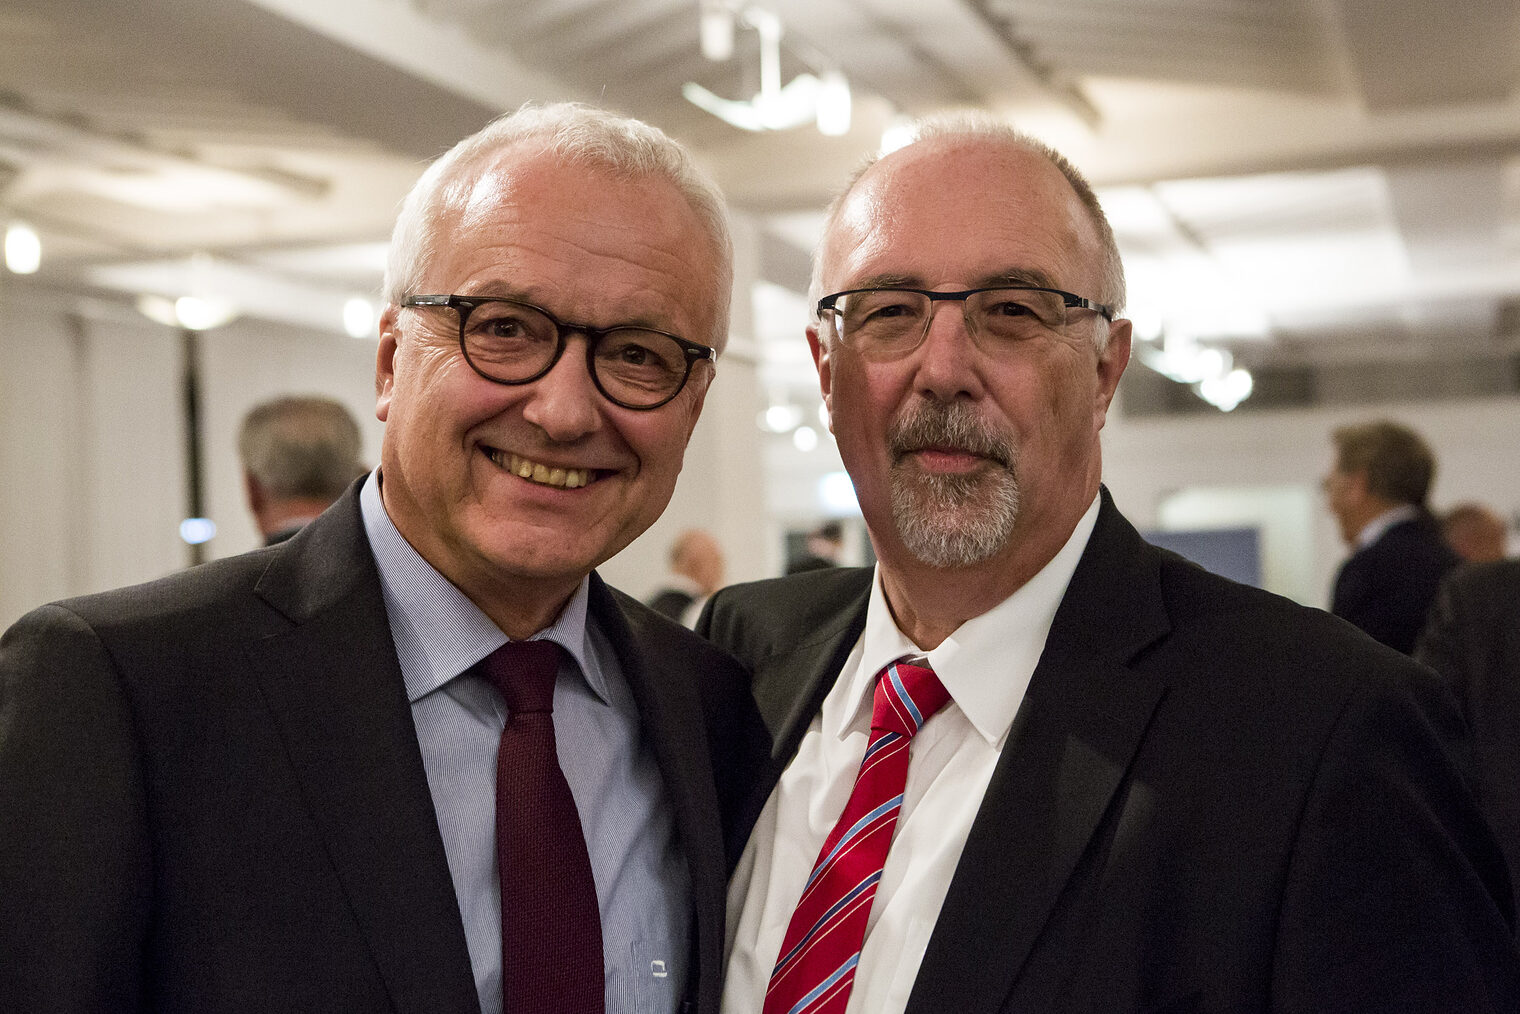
{"points": [[952, 520]]}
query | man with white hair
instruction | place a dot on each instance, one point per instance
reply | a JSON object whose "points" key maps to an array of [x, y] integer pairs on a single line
{"points": [[1029, 762], [418, 758]]}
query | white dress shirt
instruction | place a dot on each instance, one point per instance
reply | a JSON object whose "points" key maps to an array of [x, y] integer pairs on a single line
{"points": [[986, 665]]}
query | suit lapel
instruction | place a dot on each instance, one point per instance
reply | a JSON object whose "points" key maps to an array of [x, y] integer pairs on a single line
{"points": [[335, 688], [1075, 735], [789, 688]]}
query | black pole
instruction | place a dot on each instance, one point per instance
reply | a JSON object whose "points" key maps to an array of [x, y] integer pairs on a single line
{"points": [[190, 362]]}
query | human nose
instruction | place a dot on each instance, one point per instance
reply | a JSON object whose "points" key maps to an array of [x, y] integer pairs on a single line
{"points": [[948, 365], [564, 402]]}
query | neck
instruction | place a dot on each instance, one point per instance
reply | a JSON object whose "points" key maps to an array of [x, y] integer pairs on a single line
{"points": [[525, 610], [929, 603]]}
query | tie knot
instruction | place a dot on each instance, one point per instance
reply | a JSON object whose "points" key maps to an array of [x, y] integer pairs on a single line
{"points": [[906, 695], [524, 671]]}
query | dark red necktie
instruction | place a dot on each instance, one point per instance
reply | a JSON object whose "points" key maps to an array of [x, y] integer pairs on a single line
{"points": [[551, 929], [815, 970]]}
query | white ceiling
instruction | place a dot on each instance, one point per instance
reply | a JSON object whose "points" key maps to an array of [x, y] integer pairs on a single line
{"points": [[1297, 181]]}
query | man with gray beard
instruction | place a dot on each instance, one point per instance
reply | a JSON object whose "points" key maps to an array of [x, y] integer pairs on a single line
{"points": [[1028, 762]]}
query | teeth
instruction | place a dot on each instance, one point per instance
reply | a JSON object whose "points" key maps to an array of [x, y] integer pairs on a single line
{"points": [[564, 478]]}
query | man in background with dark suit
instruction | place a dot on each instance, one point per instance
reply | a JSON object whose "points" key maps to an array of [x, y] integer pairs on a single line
{"points": [[696, 571], [1473, 640], [1377, 490], [1029, 762], [299, 454], [417, 758]]}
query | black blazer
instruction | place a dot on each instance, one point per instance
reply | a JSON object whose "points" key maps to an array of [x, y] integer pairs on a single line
{"points": [[1473, 640], [1386, 588], [1211, 800], [212, 797]]}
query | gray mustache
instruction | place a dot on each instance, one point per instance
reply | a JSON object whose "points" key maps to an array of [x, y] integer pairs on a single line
{"points": [[953, 426]]}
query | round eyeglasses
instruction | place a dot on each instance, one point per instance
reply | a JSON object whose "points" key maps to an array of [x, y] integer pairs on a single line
{"points": [[884, 323], [511, 342]]}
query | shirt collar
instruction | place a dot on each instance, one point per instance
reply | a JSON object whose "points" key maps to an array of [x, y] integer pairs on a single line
{"points": [[987, 662], [438, 631], [1374, 529]]}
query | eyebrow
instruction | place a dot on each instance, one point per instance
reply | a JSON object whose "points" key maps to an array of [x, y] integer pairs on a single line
{"points": [[1015, 277], [497, 289]]}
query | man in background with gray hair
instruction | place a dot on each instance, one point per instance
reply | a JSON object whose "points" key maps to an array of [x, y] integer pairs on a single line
{"points": [[418, 759], [299, 454], [1377, 489], [1029, 762]]}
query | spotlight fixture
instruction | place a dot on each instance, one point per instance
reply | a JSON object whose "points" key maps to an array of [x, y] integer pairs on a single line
{"points": [[804, 99]]}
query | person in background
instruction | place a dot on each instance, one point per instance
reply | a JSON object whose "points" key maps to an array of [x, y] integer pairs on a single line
{"points": [[299, 454], [1473, 641], [825, 547], [418, 758], [1377, 490], [696, 571], [1475, 533], [1029, 762]]}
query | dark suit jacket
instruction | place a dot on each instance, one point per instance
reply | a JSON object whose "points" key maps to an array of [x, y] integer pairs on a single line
{"points": [[671, 602], [212, 797], [1211, 800], [1387, 588], [1473, 640]]}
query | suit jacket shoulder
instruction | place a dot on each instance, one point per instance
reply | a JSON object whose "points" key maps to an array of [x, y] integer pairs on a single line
{"points": [[246, 821]]}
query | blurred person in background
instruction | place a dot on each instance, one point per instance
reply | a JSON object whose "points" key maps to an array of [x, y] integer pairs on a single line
{"points": [[1475, 533], [696, 571], [824, 548], [1473, 640], [1377, 490], [299, 454]]}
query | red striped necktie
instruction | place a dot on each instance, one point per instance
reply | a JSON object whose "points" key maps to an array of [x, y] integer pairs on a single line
{"points": [[815, 970]]}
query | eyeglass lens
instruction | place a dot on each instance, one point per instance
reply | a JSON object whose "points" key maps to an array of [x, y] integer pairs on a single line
{"points": [[888, 319], [513, 342]]}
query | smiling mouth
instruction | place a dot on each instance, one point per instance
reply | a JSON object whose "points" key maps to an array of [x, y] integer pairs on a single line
{"points": [[543, 475]]}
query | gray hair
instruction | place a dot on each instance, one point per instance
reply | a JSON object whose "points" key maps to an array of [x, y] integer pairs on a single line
{"points": [[984, 127], [578, 135], [301, 447]]}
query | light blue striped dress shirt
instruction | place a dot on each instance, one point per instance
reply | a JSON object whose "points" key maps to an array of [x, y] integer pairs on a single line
{"points": [[642, 884]]}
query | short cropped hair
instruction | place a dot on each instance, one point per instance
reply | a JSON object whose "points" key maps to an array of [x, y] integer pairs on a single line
{"points": [[1398, 465], [985, 127], [301, 447], [579, 135]]}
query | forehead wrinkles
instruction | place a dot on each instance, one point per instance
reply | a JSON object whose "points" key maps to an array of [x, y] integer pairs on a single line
{"points": [[581, 221]]}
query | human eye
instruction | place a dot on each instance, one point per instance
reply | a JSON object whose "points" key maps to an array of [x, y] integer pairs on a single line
{"points": [[639, 361], [509, 324], [1018, 313], [883, 315]]}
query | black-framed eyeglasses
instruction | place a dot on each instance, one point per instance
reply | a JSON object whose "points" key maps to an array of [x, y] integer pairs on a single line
{"points": [[883, 323], [511, 342]]}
